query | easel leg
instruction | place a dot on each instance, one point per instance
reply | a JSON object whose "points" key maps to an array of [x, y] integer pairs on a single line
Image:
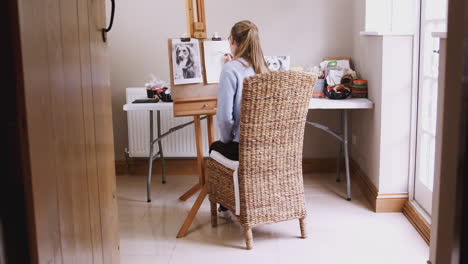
{"points": [[209, 123], [201, 173], [193, 212], [198, 140], [190, 192]]}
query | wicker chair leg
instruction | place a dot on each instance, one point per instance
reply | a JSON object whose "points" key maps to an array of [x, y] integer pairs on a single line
{"points": [[214, 214], [303, 226], [248, 237]]}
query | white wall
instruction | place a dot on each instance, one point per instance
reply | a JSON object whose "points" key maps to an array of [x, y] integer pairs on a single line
{"points": [[138, 46], [383, 134], [365, 124], [395, 132], [308, 30]]}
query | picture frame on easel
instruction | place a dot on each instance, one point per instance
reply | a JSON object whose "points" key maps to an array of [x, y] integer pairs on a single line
{"points": [[191, 99]]}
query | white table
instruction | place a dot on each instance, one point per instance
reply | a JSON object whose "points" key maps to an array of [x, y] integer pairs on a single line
{"points": [[315, 103], [344, 106], [158, 107]]}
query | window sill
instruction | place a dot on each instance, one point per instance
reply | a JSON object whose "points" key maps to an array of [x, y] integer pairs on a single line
{"points": [[379, 33]]}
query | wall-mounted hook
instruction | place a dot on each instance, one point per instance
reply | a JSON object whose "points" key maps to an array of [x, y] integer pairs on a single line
{"points": [[105, 30]]}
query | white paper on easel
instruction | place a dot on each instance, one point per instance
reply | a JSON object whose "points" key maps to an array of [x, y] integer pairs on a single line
{"points": [[214, 53]]}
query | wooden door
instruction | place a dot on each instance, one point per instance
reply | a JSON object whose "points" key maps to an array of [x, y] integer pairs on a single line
{"points": [[71, 179]]}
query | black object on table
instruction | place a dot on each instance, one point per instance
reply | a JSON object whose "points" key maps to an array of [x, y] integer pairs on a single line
{"points": [[145, 101]]}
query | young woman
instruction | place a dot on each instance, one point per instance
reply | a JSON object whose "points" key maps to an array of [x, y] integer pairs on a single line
{"points": [[246, 60]]}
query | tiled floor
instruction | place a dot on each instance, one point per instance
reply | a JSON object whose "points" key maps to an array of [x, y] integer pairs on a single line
{"points": [[339, 231]]}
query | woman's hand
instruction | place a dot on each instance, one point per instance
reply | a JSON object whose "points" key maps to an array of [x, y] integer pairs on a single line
{"points": [[227, 57]]}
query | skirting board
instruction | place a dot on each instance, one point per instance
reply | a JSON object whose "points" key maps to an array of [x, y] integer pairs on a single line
{"points": [[139, 166], [421, 225], [188, 166], [395, 202], [380, 202]]}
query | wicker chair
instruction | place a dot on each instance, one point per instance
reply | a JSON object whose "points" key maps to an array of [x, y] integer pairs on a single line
{"points": [[270, 185]]}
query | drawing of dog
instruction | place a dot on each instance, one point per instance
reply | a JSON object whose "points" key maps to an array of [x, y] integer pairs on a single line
{"points": [[185, 67], [275, 64]]}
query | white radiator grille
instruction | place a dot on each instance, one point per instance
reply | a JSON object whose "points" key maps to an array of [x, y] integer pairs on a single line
{"points": [[179, 144]]}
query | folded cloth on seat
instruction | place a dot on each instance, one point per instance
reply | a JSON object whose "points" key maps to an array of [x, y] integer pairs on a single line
{"points": [[233, 165]]}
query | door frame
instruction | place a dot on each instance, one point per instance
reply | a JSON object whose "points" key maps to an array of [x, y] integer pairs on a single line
{"points": [[414, 104], [15, 216], [415, 115], [446, 231]]}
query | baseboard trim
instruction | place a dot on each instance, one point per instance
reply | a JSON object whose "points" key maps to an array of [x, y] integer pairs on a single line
{"points": [[139, 166], [380, 202], [418, 221], [319, 165], [188, 166]]}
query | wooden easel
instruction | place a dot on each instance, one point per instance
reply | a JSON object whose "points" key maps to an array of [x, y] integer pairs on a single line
{"points": [[195, 100]]}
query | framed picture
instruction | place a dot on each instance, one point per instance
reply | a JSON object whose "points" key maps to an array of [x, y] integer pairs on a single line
{"points": [[278, 63], [186, 62]]}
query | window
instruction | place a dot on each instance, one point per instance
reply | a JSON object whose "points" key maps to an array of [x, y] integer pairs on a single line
{"points": [[391, 16], [433, 19]]}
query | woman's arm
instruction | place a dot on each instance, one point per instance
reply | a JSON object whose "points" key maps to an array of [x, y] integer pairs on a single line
{"points": [[224, 114]]}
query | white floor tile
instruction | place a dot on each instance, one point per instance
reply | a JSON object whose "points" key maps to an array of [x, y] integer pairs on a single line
{"points": [[339, 231]]}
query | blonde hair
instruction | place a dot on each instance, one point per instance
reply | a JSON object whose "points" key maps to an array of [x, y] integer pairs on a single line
{"points": [[245, 35]]}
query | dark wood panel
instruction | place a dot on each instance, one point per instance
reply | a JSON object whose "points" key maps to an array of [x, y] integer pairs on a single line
{"points": [[74, 213], [58, 100], [72, 175], [14, 246], [103, 133], [46, 248], [90, 151]]}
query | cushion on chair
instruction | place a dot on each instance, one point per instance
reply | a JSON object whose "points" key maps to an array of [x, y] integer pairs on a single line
{"points": [[233, 165]]}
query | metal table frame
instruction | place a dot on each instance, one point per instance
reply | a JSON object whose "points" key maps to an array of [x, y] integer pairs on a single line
{"points": [[315, 104], [160, 154], [343, 138]]}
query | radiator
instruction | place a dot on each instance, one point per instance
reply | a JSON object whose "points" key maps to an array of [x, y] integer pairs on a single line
{"points": [[179, 144]]}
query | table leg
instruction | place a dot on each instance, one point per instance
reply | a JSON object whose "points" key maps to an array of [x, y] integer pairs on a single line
{"points": [[346, 152], [338, 163], [161, 155], [150, 159], [340, 151]]}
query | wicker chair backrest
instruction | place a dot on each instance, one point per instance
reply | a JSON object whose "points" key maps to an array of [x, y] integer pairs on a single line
{"points": [[273, 115]]}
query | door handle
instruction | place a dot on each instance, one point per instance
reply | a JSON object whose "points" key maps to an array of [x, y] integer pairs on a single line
{"points": [[105, 30]]}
